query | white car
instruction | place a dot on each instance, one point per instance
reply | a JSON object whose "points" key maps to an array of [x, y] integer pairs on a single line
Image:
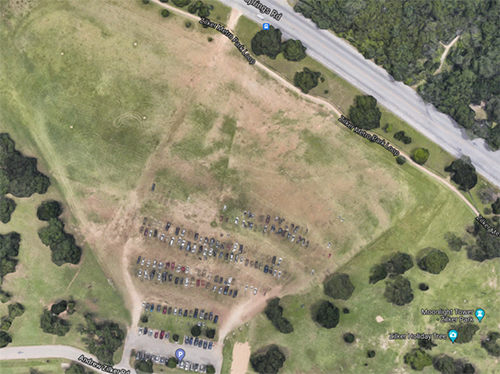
{"points": [[172, 240], [146, 273], [142, 262], [312, 272], [140, 331], [193, 248], [178, 269], [140, 272], [162, 237], [211, 252], [236, 221], [293, 238], [279, 273], [235, 247], [149, 263], [246, 287], [255, 291], [187, 270], [154, 264], [143, 304], [181, 365], [241, 259], [229, 280], [220, 290], [214, 289], [175, 311], [160, 265]]}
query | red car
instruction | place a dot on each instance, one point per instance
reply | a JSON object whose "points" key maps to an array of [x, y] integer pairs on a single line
{"points": [[221, 218], [156, 334], [167, 265], [162, 333], [197, 283], [183, 269], [164, 312], [172, 266], [146, 232], [203, 283]]}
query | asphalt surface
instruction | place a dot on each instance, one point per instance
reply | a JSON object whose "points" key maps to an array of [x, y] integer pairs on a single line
{"points": [[337, 55]]}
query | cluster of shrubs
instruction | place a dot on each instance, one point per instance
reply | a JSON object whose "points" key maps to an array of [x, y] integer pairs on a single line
{"points": [[63, 306], [63, 245], [7, 207], [487, 246], [274, 312], [196, 331], [269, 362], [52, 324], [402, 137], [397, 265], [419, 359], [268, 43], [9, 248], [490, 343], [306, 79], [203, 10], [15, 310]]}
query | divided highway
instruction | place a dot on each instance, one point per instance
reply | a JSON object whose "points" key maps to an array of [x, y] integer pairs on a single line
{"points": [[337, 55]]}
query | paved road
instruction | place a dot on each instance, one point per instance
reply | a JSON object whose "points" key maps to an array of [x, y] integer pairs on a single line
{"points": [[339, 56]]}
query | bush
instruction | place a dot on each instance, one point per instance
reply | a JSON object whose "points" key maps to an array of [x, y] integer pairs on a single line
{"points": [[172, 362], [349, 338], [5, 339], [9, 247], [210, 39], [421, 155], [52, 324], [388, 127], [399, 291], [181, 3], [454, 242], [144, 366], [444, 364], [328, 315], [192, 9], [339, 287], [7, 206], [195, 331], [426, 344], [402, 137], [267, 42], [365, 114], [423, 287], [378, 273], [165, 13], [491, 345], [495, 207], [371, 354], [399, 263], [487, 211], [463, 173], [5, 296], [210, 369], [418, 359], [268, 363], [306, 79], [16, 310], [75, 369], [59, 307], [187, 24], [144, 318], [210, 333], [175, 338], [274, 313], [6, 323], [345, 311], [434, 262], [18, 174], [325, 91], [465, 332], [49, 209], [293, 50], [71, 304], [487, 246], [400, 160]]}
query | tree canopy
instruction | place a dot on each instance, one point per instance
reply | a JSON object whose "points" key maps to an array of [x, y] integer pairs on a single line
{"points": [[487, 246], [9, 247], [463, 173], [49, 209], [196, 330], [495, 207], [364, 113], [63, 245], [293, 50], [398, 291], [270, 362], [306, 79], [59, 307], [328, 315], [466, 332], [339, 286], [144, 366], [16, 310], [434, 262], [267, 42], [19, 174], [418, 359], [172, 362], [181, 3], [421, 155], [399, 263], [210, 333], [7, 207], [5, 339], [52, 324], [274, 312], [490, 343]]}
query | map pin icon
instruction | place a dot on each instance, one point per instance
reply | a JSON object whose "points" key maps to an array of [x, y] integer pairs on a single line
{"points": [[180, 354], [452, 334], [479, 314]]}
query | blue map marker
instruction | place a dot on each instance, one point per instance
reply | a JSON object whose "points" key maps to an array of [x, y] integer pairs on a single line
{"points": [[180, 354], [479, 314], [452, 334], [265, 26]]}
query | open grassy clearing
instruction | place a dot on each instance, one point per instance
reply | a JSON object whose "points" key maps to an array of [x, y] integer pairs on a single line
{"points": [[38, 282], [51, 366]]}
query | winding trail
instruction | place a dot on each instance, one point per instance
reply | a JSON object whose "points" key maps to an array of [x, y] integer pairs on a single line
{"points": [[445, 53]]}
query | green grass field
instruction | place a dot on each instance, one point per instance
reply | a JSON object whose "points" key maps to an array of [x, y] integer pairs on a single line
{"points": [[51, 366]]}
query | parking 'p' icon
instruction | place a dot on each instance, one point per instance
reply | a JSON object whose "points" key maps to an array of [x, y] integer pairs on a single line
{"points": [[265, 26]]}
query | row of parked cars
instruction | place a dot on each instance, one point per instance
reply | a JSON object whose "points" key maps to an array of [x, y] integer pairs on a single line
{"points": [[205, 344], [162, 360], [180, 312], [157, 334]]}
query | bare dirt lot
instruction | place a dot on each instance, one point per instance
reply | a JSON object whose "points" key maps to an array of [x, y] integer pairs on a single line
{"points": [[241, 355]]}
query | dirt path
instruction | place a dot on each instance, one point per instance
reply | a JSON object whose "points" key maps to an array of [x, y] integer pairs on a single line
{"points": [[445, 53], [241, 355]]}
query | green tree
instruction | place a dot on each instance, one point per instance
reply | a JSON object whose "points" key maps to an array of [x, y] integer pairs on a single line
{"points": [[195, 330], [16, 310], [434, 262], [378, 273], [270, 362], [418, 360], [349, 338], [328, 315], [399, 263], [465, 332], [371, 354], [400, 160], [388, 127], [144, 366], [339, 286], [398, 291], [274, 312], [75, 369], [267, 42], [463, 173], [495, 207], [487, 246], [293, 50], [421, 155], [490, 343], [210, 333], [59, 307], [306, 79], [7, 207], [51, 324], [5, 296], [444, 364], [165, 13], [6, 323], [454, 242], [9, 247], [210, 369], [175, 337], [172, 362], [426, 344], [144, 318], [5, 339], [181, 3], [364, 113], [63, 245]]}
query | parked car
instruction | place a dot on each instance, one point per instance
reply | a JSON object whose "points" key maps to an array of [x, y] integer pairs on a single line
{"points": [[216, 318], [266, 269], [172, 266], [202, 313], [149, 263], [183, 232], [275, 272], [152, 308], [200, 343], [146, 232], [195, 315], [158, 308], [273, 260], [205, 344], [279, 274], [162, 237], [140, 272], [255, 291], [220, 290], [196, 341], [177, 230], [268, 218], [220, 280], [216, 279], [156, 334], [140, 331], [150, 333], [226, 289], [210, 345], [147, 307], [235, 293], [196, 236], [176, 280], [138, 259], [230, 292], [251, 263], [246, 262], [172, 241]]}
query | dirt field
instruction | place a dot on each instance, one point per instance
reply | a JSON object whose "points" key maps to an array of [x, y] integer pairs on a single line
{"points": [[241, 355]]}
